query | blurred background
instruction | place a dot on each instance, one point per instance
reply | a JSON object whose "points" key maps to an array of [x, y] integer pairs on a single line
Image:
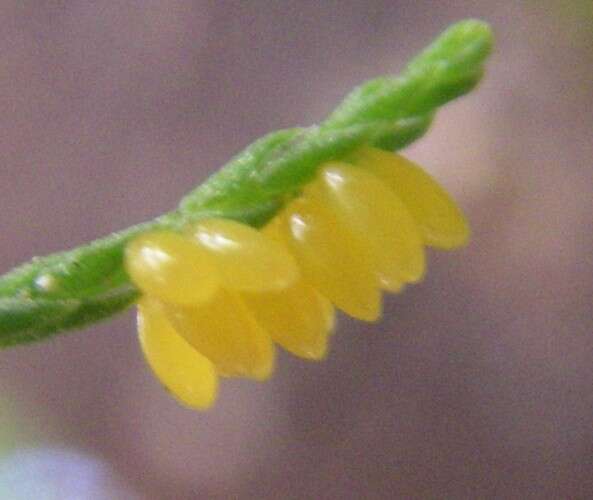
{"points": [[477, 383]]}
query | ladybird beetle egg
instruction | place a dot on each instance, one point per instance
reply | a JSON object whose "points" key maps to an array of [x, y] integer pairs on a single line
{"points": [[298, 318], [440, 221], [224, 331], [172, 268], [332, 260], [376, 216], [185, 372], [247, 261]]}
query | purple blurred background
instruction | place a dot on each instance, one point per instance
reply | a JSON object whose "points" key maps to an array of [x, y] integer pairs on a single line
{"points": [[478, 382]]}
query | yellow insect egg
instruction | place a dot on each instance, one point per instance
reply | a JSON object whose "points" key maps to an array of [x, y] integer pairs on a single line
{"points": [[372, 212], [247, 261], [188, 375], [225, 331], [299, 318], [331, 259], [440, 221], [169, 266]]}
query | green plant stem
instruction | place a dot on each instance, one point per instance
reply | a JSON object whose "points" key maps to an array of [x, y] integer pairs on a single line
{"points": [[84, 285]]}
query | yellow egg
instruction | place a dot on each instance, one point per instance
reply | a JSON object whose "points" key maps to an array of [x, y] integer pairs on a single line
{"points": [[171, 267], [441, 222], [226, 333], [373, 213], [247, 261], [298, 318], [331, 259], [188, 375]]}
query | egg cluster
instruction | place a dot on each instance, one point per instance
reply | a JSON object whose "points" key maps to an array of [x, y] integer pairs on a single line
{"points": [[216, 298]]}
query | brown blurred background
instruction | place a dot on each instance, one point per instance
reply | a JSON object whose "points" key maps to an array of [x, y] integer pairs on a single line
{"points": [[478, 382]]}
